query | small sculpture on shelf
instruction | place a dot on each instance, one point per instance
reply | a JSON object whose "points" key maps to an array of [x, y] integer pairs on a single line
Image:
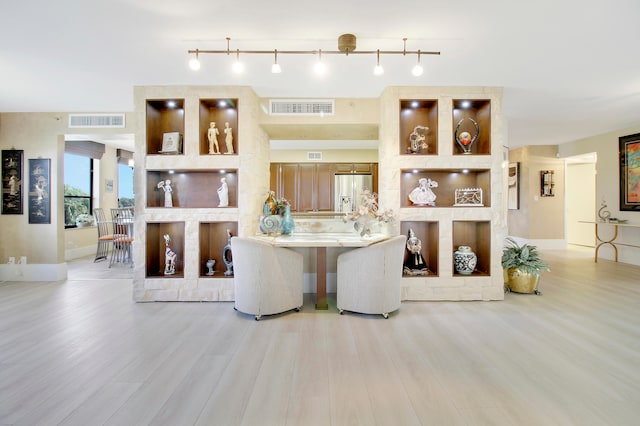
{"points": [[166, 186], [170, 257], [417, 139], [464, 139], [228, 131], [210, 264], [223, 193], [471, 197], [464, 260], [227, 256], [422, 195], [212, 135], [603, 213], [414, 264]]}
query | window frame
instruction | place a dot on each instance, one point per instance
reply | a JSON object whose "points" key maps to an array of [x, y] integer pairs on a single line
{"points": [[90, 197]]}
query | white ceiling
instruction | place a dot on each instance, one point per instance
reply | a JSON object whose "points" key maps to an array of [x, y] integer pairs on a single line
{"points": [[569, 68]]}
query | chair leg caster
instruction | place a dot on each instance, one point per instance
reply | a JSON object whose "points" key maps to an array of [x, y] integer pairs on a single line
{"points": [[385, 315], [298, 309], [258, 317], [341, 311]]}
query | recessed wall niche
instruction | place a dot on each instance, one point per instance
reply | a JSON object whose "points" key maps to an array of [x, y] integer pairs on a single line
{"points": [[448, 181], [218, 111], [156, 249], [428, 234], [191, 188], [474, 118], [163, 116], [419, 127]]}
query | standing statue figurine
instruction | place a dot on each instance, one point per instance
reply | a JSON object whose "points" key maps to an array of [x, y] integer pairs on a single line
{"points": [[423, 195], [223, 193], [414, 263], [170, 257], [166, 186], [227, 256], [212, 135], [229, 138]]}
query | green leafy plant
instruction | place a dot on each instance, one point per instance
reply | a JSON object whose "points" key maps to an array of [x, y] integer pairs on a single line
{"points": [[85, 219], [525, 257]]}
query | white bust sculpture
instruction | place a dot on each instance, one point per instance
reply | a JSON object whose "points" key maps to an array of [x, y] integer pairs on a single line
{"points": [[223, 193], [423, 195]]}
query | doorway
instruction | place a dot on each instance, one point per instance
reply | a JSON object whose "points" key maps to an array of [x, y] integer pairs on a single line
{"points": [[581, 199]]}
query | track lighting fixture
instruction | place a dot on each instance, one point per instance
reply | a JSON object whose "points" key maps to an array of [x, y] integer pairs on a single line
{"points": [[346, 46]]}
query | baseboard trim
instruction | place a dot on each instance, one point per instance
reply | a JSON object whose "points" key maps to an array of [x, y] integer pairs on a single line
{"points": [[33, 272]]}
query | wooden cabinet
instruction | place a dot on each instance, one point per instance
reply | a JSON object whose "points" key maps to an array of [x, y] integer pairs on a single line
{"points": [[309, 187]]}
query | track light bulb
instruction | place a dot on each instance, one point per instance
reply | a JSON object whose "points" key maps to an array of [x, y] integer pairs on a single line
{"points": [[378, 70], [417, 70], [275, 68], [238, 67], [320, 68], [194, 63]]}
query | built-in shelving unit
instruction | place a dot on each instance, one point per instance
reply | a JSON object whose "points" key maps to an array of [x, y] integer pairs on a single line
{"points": [[418, 128]]}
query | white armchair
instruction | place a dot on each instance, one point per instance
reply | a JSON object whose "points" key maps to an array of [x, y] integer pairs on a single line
{"points": [[369, 278], [267, 279]]}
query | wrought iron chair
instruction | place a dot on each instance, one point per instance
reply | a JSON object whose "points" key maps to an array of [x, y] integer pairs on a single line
{"points": [[123, 220], [105, 236]]}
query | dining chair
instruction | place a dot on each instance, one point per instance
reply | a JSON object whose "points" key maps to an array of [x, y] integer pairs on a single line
{"points": [[105, 235], [267, 279], [370, 278], [123, 221]]}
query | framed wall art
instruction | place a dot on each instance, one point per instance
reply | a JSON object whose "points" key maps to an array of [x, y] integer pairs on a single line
{"points": [[39, 190], [630, 172], [12, 165], [513, 191]]}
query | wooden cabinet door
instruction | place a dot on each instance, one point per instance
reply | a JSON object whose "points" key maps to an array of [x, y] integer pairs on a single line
{"points": [[324, 188], [306, 187], [289, 184]]}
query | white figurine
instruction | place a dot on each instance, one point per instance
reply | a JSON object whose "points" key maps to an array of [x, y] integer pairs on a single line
{"points": [[170, 257], [229, 138], [166, 185], [212, 134], [423, 195], [13, 185], [223, 193]]}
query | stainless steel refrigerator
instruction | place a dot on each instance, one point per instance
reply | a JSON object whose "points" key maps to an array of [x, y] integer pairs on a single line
{"points": [[348, 190]]}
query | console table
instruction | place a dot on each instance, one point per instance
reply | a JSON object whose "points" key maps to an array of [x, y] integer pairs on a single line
{"points": [[320, 241], [611, 241]]}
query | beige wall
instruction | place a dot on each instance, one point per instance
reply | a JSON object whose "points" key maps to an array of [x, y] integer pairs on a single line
{"points": [[608, 188], [40, 135], [328, 156], [539, 218]]}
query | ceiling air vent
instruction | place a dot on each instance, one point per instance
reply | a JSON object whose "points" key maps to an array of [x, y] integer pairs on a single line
{"points": [[317, 156], [96, 121], [317, 107]]}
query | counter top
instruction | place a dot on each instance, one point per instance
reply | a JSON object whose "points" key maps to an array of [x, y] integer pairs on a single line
{"points": [[322, 239]]}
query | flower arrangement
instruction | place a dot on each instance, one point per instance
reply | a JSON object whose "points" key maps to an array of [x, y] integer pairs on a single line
{"points": [[369, 213], [84, 219]]}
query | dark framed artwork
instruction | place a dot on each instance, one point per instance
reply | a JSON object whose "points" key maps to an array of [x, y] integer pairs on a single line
{"points": [[513, 190], [39, 190], [630, 172], [12, 165]]}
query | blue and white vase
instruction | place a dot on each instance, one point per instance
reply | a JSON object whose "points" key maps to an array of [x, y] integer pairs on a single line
{"points": [[288, 224], [464, 260]]}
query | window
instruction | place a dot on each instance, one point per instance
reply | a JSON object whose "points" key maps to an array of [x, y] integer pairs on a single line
{"points": [[78, 187], [125, 186]]}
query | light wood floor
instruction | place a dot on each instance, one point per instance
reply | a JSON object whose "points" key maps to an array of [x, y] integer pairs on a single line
{"points": [[80, 352]]}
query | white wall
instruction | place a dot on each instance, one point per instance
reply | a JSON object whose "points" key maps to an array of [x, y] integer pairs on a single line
{"points": [[581, 203]]}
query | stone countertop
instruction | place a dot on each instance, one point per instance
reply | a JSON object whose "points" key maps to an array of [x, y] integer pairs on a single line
{"points": [[322, 239]]}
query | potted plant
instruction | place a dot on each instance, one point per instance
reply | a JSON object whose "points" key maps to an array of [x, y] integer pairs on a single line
{"points": [[83, 220], [522, 266]]}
